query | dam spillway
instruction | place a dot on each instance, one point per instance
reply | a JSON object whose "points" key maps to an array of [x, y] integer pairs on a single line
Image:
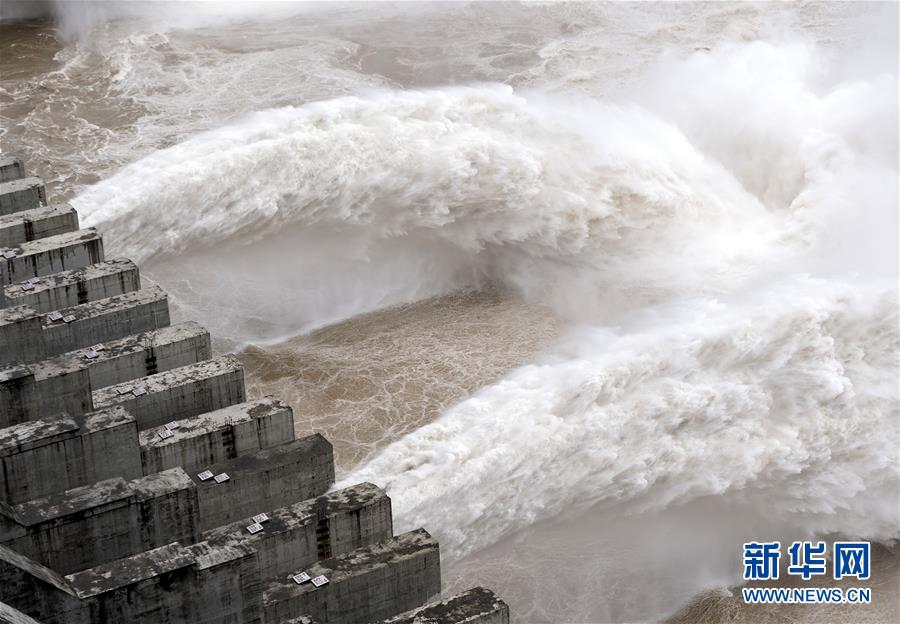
{"points": [[140, 484]]}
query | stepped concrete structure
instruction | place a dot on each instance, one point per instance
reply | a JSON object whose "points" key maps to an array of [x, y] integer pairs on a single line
{"points": [[138, 482]]}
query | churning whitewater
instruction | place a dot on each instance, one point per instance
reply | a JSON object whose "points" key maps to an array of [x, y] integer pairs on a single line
{"points": [[711, 229]]}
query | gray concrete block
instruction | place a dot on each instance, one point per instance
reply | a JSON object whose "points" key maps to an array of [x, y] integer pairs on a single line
{"points": [[63, 384], [17, 394], [91, 525], [34, 589], [23, 396], [55, 454], [46, 256], [218, 436], [75, 287], [179, 393], [136, 355], [154, 586], [8, 615], [11, 168], [105, 320], [268, 479], [365, 585], [20, 342], [22, 194], [170, 584], [228, 586], [474, 606], [297, 536], [37, 223]]}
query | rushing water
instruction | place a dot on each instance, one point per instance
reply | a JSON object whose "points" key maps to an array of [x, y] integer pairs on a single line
{"points": [[596, 291]]}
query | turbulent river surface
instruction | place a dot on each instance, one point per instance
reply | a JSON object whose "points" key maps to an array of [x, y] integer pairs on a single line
{"points": [[596, 291]]}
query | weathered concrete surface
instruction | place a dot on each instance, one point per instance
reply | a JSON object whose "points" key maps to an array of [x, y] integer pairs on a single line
{"points": [[22, 194], [37, 223], [55, 454], [152, 586], [105, 320], [91, 525], [11, 168], [63, 384], [46, 256], [8, 615], [268, 479], [23, 397], [218, 436], [136, 355], [32, 588], [17, 394], [228, 584], [179, 393], [366, 585], [170, 584], [297, 536], [21, 336], [474, 606], [75, 287]]}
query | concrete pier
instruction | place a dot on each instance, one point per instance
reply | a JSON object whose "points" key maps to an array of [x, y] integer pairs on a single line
{"points": [[37, 223], [11, 168], [104, 320], [65, 383], [22, 194], [218, 436], [70, 288], [56, 454], [90, 525], [46, 256], [365, 585], [179, 393], [21, 336], [139, 485], [268, 479], [297, 536]]}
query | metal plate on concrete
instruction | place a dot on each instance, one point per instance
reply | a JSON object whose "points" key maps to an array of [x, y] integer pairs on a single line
{"points": [[90, 354], [206, 475], [222, 478], [55, 316], [300, 578], [124, 389], [171, 425], [9, 255], [256, 527], [320, 580], [68, 318], [27, 286], [99, 347], [260, 518], [141, 392], [165, 433]]}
